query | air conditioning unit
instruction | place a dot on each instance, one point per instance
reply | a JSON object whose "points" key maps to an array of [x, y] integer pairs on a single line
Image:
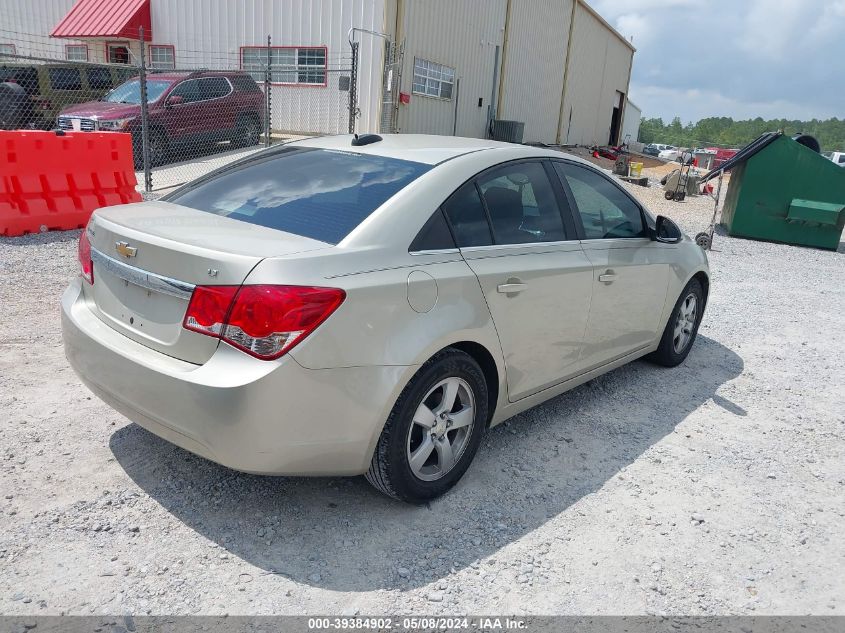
{"points": [[508, 131]]}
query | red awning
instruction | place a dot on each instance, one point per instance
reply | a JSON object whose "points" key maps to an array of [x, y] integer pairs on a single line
{"points": [[106, 18]]}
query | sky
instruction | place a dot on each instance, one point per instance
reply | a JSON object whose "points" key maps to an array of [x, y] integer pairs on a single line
{"points": [[737, 58]]}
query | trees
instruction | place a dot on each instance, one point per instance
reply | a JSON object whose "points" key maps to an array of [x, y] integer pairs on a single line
{"points": [[724, 131]]}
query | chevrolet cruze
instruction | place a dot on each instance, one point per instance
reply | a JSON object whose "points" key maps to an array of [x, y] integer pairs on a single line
{"points": [[366, 305]]}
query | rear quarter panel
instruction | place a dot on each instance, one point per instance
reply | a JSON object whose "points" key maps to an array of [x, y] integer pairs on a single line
{"points": [[376, 324]]}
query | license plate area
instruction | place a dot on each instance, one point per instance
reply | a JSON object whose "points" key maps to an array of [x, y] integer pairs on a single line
{"points": [[151, 314]]}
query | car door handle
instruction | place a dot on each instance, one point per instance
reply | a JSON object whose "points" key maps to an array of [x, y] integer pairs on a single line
{"points": [[607, 278], [511, 288]]}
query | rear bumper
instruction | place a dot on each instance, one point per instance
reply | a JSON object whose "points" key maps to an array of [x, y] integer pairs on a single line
{"points": [[255, 416]]}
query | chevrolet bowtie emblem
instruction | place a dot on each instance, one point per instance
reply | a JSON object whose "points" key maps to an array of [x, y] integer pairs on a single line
{"points": [[124, 249]]}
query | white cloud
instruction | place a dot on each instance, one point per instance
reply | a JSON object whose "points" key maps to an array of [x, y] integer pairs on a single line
{"points": [[772, 58], [637, 26]]}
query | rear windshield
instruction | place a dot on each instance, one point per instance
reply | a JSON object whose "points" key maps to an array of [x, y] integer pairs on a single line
{"points": [[316, 193]]}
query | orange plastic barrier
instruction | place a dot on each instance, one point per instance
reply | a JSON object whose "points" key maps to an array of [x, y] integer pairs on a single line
{"points": [[51, 182]]}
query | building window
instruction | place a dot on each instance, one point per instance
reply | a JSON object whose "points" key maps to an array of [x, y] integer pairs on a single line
{"points": [[118, 53], [305, 66], [432, 79], [162, 57], [7, 49], [76, 52]]}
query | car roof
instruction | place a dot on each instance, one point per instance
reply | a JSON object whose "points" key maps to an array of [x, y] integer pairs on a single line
{"points": [[421, 148], [196, 74]]}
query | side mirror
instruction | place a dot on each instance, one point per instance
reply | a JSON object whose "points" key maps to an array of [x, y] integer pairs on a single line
{"points": [[175, 100], [666, 231]]}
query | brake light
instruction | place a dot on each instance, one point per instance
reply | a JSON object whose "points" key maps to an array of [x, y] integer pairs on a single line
{"points": [[208, 309], [264, 321], [86, 266]]}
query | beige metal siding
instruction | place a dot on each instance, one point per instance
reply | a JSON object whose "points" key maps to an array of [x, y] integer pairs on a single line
{"points": [[462, 34], [27, 25], [600, 65], [538, 33]]}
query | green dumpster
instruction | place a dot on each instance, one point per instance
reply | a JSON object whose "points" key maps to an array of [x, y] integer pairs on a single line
{"points": [[785, 192]]}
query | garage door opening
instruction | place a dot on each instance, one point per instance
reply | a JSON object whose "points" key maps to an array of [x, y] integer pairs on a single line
{"points": [[616, 119]]}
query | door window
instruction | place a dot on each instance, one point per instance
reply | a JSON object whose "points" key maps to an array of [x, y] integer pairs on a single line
{"points": [[606, 211], [467, 217], [188, 90], [65, 78], [522, 204], [99, 78]]}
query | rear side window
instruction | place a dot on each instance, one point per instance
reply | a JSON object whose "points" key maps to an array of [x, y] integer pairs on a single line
{"points": [[65, 78], [244, 83], [522, 204], [213, 88], [467, 216], [434, 236], [316, 193]]}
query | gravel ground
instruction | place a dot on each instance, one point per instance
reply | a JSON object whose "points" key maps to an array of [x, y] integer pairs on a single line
{"points": [[714, 488]]}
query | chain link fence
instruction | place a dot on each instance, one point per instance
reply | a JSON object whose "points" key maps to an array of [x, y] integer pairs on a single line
{"points": [[188, 111]]}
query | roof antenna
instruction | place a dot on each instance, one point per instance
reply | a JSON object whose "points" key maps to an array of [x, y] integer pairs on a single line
{"points": [[365, 139]]}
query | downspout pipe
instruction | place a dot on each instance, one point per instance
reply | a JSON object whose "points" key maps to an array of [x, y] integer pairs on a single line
{"points": [[566, 72]]}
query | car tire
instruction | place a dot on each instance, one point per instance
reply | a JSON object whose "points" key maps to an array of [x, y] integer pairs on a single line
{"points": [[247, 132], [15, 107], [682, 328], [406, 436], [159, 147]]}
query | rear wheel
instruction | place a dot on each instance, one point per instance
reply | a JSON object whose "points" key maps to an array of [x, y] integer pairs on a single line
{"points": [[247, 132], [682, 328], [434, 430]]}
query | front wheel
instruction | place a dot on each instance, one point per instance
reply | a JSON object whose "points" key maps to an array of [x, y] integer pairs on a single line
{"points": [[682, 328], [434, 430]]}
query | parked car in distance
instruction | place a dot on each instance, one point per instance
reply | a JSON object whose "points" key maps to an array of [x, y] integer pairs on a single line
{"points": [[31, 95], [186, 111], [836, 157], [654, 149], [676, 154], [366, 305]]}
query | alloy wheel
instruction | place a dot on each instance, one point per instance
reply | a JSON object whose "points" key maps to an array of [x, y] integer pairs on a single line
{"points": [[250, 134], [441, 429], [685, 323]]}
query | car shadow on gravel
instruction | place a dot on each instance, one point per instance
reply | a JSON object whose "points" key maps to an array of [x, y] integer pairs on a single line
{"points": [[340, 534]]}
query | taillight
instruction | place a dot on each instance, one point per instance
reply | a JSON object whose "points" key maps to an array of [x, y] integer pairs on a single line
{"points": [[264, 321], [208, 309], [86, 266]]}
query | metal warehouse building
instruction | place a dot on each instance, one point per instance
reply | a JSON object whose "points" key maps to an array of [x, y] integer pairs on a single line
{"points": [[426, 66]]}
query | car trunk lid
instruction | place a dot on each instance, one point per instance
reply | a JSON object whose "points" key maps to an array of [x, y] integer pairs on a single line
{"points": [[148, 257]]}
